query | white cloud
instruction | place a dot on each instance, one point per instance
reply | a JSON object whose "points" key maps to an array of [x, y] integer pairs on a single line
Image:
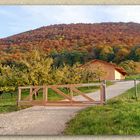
{"points": [[123, 13], [85, 14], [75, 14], [58, 14]]}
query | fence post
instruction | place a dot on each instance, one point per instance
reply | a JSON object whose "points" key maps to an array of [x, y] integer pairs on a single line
{"points": [[19, 97], [71, 94], [103, 92], [31, 96], [136, 92], [45, 93]]}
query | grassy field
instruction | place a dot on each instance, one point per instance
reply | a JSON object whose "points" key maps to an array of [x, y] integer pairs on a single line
{"points": [[8, 101], [120, 116], [132, 77]]}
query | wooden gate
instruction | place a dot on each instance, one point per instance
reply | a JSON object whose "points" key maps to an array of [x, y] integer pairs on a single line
{"points": [[68, 99]]}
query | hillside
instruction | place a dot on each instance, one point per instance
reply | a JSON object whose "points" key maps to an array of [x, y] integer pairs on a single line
{"points": [[50, 54], [80, 37]]}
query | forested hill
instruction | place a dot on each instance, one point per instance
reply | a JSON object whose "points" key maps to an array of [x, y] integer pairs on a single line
{"points": [[77, 35], [52, 54], [97, 39]]}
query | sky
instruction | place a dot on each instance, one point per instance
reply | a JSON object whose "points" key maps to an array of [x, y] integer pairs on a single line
{"points": [[17, 19]]}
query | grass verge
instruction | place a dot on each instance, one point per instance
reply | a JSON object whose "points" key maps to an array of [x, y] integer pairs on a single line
{"points": [[120, 116], [132, 77]]}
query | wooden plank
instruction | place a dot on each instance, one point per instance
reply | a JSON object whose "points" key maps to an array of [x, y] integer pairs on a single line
{"points": [[19, 96], [71, 94], [102, 94], [61, 93], [45, 93], [82, 94], [68, 102], [136, 89], [63, 86], [87, 85], [37, 87], [28, 87], [75, 85], [58, 103], [30, 95]]}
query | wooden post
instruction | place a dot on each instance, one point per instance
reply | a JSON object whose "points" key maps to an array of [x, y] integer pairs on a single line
{"points": [[31, 96], [19, 97], [45, 93], [103, 92], [35, 93], [71, 94], [136, 92]]}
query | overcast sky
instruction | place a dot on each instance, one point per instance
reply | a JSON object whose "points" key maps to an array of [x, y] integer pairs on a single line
{"points": [[16, 19]]}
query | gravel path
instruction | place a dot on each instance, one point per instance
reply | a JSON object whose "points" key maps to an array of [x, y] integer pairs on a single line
{"points": [[42, 120]]}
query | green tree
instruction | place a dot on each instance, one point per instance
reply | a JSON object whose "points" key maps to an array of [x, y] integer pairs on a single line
{"points": [[67, 74], [6, 79], [131, 66], [106, 53], [121, 53], [37, 67]]}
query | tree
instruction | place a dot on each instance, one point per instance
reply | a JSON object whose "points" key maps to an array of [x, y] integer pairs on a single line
{"points": [[6, 79], [131, 66], [37, 67], [67, 74], [68, 57], [99, 73], [91, 74], [106, 53], [121, 52], [137, 52], [88, 76]]}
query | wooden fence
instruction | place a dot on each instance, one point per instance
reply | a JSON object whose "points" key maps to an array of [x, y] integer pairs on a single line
{"points": [[68, 98]]}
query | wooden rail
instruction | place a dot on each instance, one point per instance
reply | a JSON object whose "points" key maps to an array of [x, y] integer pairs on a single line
{"points": [[68, 99]]}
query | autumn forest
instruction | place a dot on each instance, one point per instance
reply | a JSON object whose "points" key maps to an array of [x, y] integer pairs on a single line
{"points": [[59, 48]]}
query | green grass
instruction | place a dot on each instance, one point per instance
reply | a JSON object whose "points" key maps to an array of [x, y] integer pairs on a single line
{"points": [[8, 102], [120, 116], [132, 77]]}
